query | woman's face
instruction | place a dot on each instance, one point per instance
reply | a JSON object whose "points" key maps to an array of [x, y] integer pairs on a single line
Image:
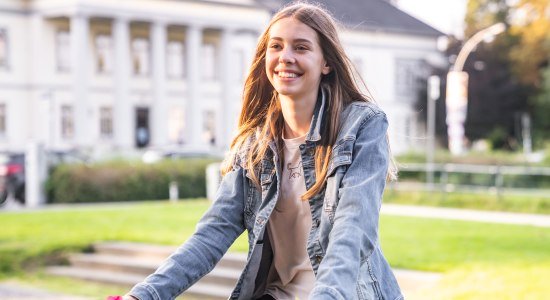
{"points": [[294, 60]]}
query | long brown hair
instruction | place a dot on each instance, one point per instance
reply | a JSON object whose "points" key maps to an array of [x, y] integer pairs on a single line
{"points": [[261, 119]]}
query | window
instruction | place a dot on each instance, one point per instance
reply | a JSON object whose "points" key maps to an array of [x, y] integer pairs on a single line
{"points": [[3, 48], [175, 56], [209, 127], [140, 56], [408, 73], [209, 61], [104, 48], [67, 122], [63, 51], [106, 122], [2, 120], [176, 126]]}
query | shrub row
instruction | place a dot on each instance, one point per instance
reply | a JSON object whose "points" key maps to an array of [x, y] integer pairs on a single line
{"points": [[126, 181]]}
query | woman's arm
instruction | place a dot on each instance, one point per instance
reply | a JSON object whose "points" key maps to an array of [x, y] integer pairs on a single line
{"points": [[215, 233], [354, 235]]}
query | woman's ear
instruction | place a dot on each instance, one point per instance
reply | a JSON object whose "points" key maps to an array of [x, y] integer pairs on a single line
{"points": [[325, 69]]}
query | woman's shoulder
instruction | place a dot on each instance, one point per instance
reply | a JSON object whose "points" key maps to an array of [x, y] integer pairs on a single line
{"points": [[242, 152], [361, 111]]}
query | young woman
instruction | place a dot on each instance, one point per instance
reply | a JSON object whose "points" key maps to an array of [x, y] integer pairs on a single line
{"points": [[305, 178]]}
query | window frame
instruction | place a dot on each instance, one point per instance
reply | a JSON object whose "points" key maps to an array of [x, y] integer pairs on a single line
{"points": [[67, 121], [169, 60], [59, 57], [210, 72], [106, 119], [146, 52], [5, 62], [108, 52], [3, 120]]}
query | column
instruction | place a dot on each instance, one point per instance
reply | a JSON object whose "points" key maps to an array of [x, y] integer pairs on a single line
{"points": [[160, 107], [80, 61], [193, 111], [40, 119], [122, 110], [224, 126]]}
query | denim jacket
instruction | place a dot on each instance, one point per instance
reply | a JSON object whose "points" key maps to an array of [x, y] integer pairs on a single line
{"points": [[343, 243]]}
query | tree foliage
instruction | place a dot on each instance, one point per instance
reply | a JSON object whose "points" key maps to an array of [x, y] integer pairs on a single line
{"points": [[496, 97], [542, 113], [530, 22], [481, 14]]}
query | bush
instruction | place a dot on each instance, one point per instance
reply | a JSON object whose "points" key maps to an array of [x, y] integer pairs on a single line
{"points": [[499, 139], [126, 181]]}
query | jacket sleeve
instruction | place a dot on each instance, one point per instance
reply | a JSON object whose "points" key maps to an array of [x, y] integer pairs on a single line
{"points": [[214, 234], [354, 235]]}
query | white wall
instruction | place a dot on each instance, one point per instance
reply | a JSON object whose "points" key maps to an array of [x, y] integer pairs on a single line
{"points": [[378, 53], [32, 88]]}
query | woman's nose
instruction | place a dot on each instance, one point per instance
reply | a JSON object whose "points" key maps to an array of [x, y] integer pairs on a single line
{"points": [[286, 56]]}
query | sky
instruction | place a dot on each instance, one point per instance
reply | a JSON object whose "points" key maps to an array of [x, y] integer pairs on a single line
{"points": [[445, 15]]}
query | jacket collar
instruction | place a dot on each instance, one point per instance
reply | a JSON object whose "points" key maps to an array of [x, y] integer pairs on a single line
{"points": [[314, 133]]}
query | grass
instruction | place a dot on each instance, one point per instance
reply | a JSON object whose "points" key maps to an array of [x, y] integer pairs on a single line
{"points": [[32, 238], [478, 260], [486, 201], [482, 282], [443, 245]]}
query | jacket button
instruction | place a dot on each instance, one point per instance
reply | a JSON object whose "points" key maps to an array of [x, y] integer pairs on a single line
{"points": [[316, 222], [318, 258], [302, 147]]}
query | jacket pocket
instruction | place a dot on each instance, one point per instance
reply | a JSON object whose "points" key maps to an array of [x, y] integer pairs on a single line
{"points": [[368, 290], [342, 154], [331, 195], [341, 158], [266, 179]]}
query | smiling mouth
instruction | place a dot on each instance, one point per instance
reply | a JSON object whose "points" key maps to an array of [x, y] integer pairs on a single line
{"points": [[282, 74]]}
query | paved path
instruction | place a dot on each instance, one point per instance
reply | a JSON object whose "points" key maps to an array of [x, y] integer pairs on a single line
{"points": [[466, 215], [16, 291]]}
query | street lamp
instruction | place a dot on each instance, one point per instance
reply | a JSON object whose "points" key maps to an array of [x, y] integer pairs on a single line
{"points": [[457, 89]]}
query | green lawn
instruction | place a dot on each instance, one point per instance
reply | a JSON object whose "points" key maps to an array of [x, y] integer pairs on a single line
{"points": [[479, 260]]}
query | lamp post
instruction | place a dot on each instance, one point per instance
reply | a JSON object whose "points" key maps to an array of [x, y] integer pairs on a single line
{"points": [[433, 95], [457, 89]]}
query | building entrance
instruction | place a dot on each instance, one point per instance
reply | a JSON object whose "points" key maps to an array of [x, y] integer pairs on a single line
{"points": [[143, 132]]}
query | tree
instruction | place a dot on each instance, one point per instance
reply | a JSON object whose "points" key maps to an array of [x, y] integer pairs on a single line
{"points": [[530, 22], [496, 97], [541, 114], [530, 59], [484, 13]]}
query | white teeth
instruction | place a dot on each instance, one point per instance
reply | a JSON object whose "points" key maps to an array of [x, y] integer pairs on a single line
{"points": [[287, 75]]}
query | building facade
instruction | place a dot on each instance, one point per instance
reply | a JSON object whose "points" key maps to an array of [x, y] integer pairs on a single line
{"points": [[119, 76]]}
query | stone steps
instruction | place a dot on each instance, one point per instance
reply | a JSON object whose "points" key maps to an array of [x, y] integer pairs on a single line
{"points": [[126, 264]]}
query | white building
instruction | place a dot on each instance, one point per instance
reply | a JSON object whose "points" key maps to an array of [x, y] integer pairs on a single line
{"points": [[115, 76]]}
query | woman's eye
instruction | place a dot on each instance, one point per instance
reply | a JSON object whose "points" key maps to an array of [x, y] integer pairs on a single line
{"points": [[275, 46], [301, 48]]}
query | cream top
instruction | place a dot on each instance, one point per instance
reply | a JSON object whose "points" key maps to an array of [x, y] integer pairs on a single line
{"points": [[291, 275]]}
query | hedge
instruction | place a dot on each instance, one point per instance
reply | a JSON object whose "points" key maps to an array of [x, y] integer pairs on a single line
{"points": [[126, 181]]}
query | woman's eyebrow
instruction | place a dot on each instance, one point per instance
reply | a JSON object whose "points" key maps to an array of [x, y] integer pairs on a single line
{"points": [[299, 40]]}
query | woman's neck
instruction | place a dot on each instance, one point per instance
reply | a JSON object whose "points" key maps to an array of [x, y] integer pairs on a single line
{"points": [[297, 114]]}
